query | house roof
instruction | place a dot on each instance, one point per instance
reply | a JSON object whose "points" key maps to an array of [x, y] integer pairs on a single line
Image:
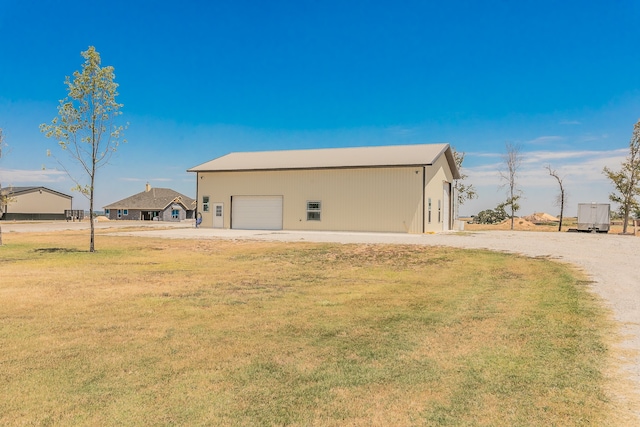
{"points": [[154, 199], [330, 158], [16, 191]]}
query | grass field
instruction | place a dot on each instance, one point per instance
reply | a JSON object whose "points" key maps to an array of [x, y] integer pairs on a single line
{"points": [[179, 332]]}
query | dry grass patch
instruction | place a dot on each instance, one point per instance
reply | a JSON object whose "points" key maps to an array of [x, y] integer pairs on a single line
{"points": [[157, 332]]}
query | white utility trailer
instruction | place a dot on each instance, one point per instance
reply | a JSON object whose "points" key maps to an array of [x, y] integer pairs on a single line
{"points": [[594, 217]]}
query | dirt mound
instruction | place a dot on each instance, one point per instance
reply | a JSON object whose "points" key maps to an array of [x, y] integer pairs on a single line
{"points": [[541, 217], [102, 218], [518, 224]]}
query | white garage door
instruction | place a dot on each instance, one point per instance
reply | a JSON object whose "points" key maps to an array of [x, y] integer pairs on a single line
{"points": [[256, 212]]}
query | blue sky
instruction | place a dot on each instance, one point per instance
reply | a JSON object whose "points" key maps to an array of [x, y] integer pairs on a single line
{"points": [[200, 79]]}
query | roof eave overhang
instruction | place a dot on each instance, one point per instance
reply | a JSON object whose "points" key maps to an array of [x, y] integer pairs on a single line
{"points": [[179, 201], [448, 153], [417, 165], [35, 189]]}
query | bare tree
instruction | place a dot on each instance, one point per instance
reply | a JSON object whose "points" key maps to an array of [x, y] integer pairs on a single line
{"points": [[561, 196], [627, 180], [86, 127], [512, 159]]}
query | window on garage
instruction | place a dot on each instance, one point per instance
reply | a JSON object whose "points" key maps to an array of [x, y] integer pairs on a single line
{"points": [[314, 209]]}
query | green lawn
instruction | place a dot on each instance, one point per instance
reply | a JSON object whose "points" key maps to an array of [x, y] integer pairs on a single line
{"points": [[179, 332]]}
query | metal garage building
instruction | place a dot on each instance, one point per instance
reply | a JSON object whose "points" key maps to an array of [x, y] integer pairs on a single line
{"points": [[35, 203], [404, 188]]}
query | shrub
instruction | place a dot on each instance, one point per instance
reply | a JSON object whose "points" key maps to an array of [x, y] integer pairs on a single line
{"points": [[491, 216]]}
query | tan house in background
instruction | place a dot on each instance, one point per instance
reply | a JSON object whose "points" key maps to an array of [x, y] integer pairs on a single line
{"points": [[35, 203], [403, 188]]}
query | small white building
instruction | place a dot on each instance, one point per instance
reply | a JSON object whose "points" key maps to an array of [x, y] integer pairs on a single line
{"points": [[403, 188]]}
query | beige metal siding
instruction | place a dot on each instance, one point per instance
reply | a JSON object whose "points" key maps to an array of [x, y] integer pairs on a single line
{"points": [[366, 199], [437, 174], [39, 202]]}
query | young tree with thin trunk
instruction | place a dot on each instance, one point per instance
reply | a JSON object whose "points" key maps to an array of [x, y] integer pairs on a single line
{"points": [[512, 159], [3, 197], [87, 128], [561, 196], [463, 191], [627, 180]]}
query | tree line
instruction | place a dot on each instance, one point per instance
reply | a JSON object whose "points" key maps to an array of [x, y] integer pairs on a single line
{"points": [[626, 183]]}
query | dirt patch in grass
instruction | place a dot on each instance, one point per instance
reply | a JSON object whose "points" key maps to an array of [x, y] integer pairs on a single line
{"points": [[53, 250], [255, 333]]}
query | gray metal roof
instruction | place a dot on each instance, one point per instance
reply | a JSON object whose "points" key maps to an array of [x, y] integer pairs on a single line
{"points": [[154, 199], [329, 158], [16, 191]]}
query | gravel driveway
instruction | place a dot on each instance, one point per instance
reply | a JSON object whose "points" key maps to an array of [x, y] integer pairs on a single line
{"points": [[610, 260]]}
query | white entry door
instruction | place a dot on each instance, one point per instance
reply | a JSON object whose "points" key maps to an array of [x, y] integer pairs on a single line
{"points": [[218, 218]]}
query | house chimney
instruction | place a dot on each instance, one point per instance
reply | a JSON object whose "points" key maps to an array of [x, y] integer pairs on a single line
{"points": [[147, 187]]}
